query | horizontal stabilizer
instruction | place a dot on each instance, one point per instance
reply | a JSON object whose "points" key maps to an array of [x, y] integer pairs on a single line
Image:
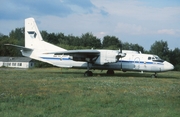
{"points": [[20, 47]]}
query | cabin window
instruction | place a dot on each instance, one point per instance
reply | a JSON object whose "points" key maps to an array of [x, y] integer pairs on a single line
{"points": [[149, 58]]}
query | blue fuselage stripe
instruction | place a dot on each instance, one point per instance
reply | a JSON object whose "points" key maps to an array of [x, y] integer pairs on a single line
{"points": [[120, 61], [52, 58], [142, 62]]}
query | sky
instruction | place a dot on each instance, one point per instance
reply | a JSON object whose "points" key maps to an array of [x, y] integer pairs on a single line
{"points": [[134, 21]]}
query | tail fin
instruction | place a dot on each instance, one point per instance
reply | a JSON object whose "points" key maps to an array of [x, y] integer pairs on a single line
{"points": [[32, 33], [34, 40]]}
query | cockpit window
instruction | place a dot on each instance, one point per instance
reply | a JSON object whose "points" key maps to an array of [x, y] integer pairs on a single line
{"points": [[157, 59]]}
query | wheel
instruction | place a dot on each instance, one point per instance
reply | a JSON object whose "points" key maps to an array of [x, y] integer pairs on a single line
{"points": [[88, 73], [154, 76], [110, 72]]}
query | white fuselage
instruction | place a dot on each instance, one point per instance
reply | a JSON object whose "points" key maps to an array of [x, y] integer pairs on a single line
{"points": [[133, 61]]}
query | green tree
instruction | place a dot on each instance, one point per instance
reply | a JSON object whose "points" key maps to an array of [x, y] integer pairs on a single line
{"points": [[52, 38], [161, 49], [88, 40], [44, 35], [175, 58], [15, 37], [18, 35], [62, 39], [74, 40], [7, 50], [130, 46], [111, 42]]}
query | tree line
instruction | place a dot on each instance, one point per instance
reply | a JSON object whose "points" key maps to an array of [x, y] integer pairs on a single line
{"points": [[88, 41]]}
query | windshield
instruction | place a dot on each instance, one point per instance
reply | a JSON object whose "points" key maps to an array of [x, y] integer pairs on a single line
{"points": [[155, 59]]}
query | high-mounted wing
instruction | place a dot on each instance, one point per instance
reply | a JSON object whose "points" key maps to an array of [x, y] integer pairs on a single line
{"points": [[80, 55]]}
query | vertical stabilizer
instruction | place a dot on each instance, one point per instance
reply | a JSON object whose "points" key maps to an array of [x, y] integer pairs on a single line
{"points": [[31, 33], [34, 40]]}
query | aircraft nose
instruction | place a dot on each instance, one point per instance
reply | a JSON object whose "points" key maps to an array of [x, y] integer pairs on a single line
{"points": [[168, 66]]}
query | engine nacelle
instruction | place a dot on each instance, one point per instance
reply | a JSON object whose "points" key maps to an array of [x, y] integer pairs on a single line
{"points": [[107, 56]]}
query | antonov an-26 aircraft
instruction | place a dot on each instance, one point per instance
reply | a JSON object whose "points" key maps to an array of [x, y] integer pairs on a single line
{"points": [[109, 60]]}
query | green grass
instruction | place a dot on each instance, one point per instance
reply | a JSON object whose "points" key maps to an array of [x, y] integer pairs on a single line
{"points": [[59, 92]]}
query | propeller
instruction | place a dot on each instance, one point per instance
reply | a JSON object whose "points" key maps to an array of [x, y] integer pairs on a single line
{"points": [[120, 55]]}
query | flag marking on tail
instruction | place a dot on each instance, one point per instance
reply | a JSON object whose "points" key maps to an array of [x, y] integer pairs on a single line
{"points": [[32, 34]]}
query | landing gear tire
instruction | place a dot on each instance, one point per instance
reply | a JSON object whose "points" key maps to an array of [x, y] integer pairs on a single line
{"points": [[110, 72], [154, 75], [88, 73]]}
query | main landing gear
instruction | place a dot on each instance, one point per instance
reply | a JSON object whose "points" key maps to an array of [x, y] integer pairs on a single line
{"points": [[154, 75], [110, 72], [88, 73]]}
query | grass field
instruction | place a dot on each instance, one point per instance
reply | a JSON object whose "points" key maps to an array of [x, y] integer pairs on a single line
{"points": [[55, 92]]}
